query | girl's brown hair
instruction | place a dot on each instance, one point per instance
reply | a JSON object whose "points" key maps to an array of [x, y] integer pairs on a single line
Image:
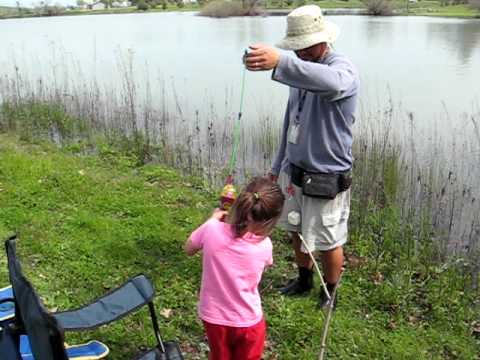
{"points": [[257, 208]]}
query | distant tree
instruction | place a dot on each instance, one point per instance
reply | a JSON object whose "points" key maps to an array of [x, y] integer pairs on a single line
{"points": [[379, 7], [81, 3], [164, 5], [19, 8], [44, 8], [53, 10], [107, 3], [180, 3]]}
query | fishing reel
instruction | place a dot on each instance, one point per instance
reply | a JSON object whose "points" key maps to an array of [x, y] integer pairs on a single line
{"points": [[228, 195], [245, 55]]}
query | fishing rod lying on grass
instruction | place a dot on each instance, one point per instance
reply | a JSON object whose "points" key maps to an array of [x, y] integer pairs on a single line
{"points": [[326, 323], [294, 219], [331, 301]]}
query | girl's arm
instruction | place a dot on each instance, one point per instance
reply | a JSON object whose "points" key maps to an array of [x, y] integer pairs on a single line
{"points": [[190, 248], [195, 241]]}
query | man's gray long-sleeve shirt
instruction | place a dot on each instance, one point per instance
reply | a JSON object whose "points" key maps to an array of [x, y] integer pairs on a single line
{"points": [[325, 115]]}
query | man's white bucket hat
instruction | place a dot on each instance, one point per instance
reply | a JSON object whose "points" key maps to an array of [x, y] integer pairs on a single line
{"points": [[306, 27]]}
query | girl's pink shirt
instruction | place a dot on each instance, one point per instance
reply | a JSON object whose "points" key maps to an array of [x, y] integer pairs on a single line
{"points": [[232, 270]]}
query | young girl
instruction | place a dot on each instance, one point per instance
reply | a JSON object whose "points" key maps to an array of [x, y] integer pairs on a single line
{"points": [[236, 249]]}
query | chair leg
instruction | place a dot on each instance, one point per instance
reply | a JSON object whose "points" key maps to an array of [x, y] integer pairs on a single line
{"points": [[9, 342], [156, 328]]}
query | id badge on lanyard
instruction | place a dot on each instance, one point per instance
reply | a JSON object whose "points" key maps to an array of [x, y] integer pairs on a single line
{"points": [[293, 133], [294, 127]]}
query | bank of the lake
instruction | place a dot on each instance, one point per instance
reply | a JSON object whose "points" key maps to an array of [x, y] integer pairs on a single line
{"points": [[13, 13], [402, 8], [331, 7], [90, 216]]}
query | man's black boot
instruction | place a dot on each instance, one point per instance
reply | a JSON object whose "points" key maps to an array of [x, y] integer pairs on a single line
{"points": [[324, 301], [302, 285]]}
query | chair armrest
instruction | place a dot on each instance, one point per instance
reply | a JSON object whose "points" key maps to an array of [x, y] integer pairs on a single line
{"points": [[7, 300], [116, 304]]}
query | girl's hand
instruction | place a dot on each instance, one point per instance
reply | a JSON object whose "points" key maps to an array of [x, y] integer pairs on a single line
{"points": [[189, 248], [272, 177], [219, 214]]}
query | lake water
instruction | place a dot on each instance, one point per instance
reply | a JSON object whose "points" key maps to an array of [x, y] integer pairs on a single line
{"points": [[427, 66]]}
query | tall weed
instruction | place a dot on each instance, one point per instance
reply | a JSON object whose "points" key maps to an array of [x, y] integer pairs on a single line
{"points": [[419, 203]]}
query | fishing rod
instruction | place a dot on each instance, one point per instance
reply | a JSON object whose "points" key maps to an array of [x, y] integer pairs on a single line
{"points": [[229, 192]]}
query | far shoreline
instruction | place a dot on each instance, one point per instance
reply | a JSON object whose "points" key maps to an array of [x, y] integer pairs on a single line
{"points": [[440, 12]]}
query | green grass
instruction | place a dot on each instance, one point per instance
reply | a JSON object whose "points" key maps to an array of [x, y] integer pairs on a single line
{"points": [[170, 7], [421, 8], [6, 10], [6, 13], [432, 8], [324, 4], [89, 222]]}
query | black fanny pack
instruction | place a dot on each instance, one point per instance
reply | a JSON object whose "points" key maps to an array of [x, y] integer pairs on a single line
{"points": [[321, 185]]}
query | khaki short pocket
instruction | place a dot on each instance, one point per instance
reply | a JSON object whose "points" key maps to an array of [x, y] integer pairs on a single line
{"points": [[335, 227], [325, 222], [335, 218]]}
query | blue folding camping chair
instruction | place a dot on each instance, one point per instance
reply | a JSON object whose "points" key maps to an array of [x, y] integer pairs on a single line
{"points": [[7, 306], [35, 333]]}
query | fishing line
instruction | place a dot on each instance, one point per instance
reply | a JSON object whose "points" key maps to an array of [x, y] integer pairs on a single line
{"points": [[237, 126], [229, 192]]}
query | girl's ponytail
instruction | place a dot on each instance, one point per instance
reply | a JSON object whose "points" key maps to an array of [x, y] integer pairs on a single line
{"points": [[257, 208]]}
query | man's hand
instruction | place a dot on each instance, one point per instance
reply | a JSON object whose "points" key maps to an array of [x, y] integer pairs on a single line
{"points": [[262, 57]]}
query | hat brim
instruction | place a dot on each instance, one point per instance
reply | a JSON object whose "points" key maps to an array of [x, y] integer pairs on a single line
{"points": [[329, 35]]}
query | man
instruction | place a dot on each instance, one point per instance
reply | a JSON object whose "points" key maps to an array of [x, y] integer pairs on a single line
{"points": [[316, 141]]}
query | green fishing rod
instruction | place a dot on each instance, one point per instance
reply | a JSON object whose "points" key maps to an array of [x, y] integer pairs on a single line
{"points": [[229, 192]]}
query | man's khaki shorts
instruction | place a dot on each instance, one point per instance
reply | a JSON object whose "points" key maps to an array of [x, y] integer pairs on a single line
{"points": [[323, 222]]}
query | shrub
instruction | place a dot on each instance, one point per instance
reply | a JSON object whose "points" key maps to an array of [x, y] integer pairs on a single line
{"points": [[142, 5], [180, 4], [52, 10], [221, 9], [379, 7]]}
